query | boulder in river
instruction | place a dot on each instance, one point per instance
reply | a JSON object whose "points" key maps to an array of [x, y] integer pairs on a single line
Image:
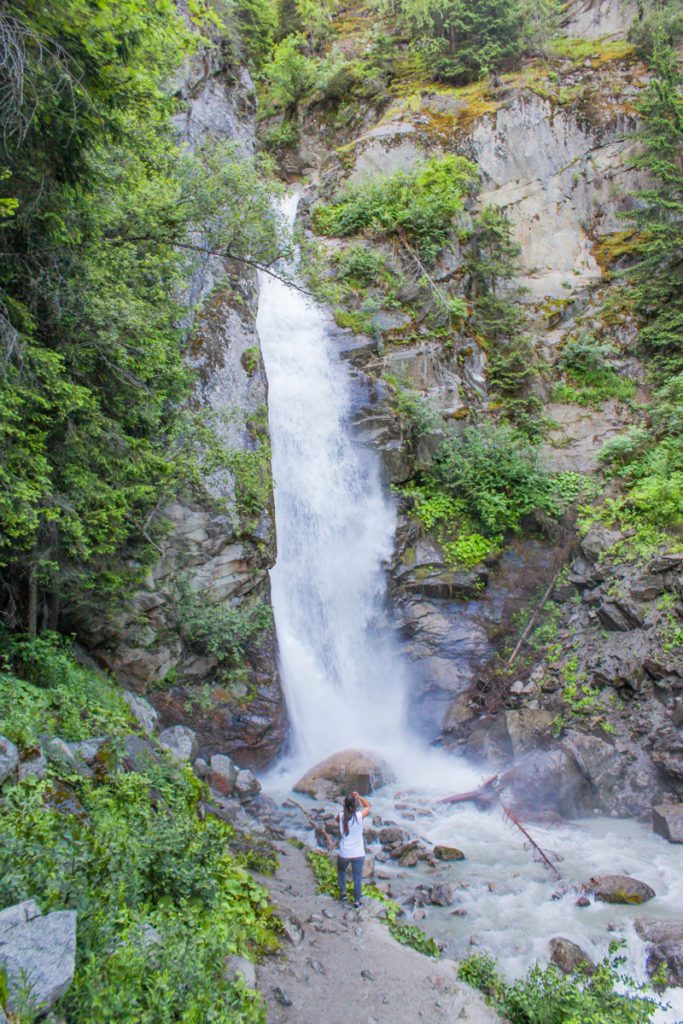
{"points": [[442, 895], [620, 889], [569, 957], [344, 772], [671, 954], [667, 821], [448, 853]]}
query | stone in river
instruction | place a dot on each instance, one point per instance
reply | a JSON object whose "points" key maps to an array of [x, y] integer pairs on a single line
{"points": [[620, 889], [448, 853], [569, 957], [344, 772], [667, 821]]}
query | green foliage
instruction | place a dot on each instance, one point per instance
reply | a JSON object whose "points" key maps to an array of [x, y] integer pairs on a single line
{"points": [[257, 22], [618, 451], [498, 318], [325, 875], [497, 478], [417, 417], [94, 423], [657, 22], [128, 851], [211, 628], [469, 549], [419, 205], [41, 684], [589, 378], [290, 73], [548, 996], [359, 265]]}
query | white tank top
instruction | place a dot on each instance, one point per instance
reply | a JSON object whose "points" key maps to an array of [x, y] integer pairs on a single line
{"points": [[352, 845]]}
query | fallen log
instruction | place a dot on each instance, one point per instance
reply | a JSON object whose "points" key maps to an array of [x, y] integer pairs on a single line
{"points": [[486, 793], [319, 830], [511, 816]]}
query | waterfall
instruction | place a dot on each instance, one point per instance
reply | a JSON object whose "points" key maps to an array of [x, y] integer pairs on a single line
{"points": [[344, 682]]}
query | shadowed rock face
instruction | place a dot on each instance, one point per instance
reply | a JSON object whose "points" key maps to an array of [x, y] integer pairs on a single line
{"points": [[345, 772]]}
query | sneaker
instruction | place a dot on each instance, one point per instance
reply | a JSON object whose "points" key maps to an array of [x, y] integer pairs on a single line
{"points": [[343, 899], [357, 904]]}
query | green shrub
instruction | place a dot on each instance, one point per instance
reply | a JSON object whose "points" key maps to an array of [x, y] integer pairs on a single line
{"points": [[213, 629], [469, 549], [590, 378], [290, 73], [497, 476], [129, 851], [620, 450], [548, 996], [657, 21], [360, 265], [419, 204]]}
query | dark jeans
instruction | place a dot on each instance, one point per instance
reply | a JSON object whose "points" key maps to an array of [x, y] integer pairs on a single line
{"points": [[357, 871]]}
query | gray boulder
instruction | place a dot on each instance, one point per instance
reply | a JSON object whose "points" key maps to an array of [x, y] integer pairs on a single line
{"points": [[671, 954], [620, 889], [246, 784], [442, 895], [9, 758], [143, 712], [667, 821], [35, 765], [38, 954], [58, 751], [239, 967], [180, 741], [86, 751], [659, 932], [19, 913], [344, 772], [569, 957], [223, 774]]}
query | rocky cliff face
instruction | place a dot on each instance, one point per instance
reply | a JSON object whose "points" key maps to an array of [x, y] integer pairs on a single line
{"points": [[210, 555], [554, 146]]}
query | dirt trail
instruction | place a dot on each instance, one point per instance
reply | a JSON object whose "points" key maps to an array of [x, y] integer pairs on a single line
{"points": [[341, 966]]}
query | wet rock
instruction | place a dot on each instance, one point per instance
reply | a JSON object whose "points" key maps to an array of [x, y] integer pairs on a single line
{"points": [[39, 953], [599, 539], [223, 774], [667, 821], [599, 762], [666, 562], [621, 889], [671, 954], [569, 957], [246, 784], [180, 741], [35, 766], [55, 749], [392, 835], [526, 727], [448, 853], [143, 712], [545, 780], [442, 895], [9, 758], [344, 772], [659, 932], [656, 669], [239, 967], [408, 858], [620, 616], [368, 866], [582, 901]]}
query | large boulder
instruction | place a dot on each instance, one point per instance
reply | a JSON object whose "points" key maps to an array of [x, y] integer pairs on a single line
{"points": [[667, 821], [344, 772], [569, 957], [9, 758], [620, 889], [671, 954], [143, 712], [37, 953], [545, 780], [223, 774], [180, 741]]}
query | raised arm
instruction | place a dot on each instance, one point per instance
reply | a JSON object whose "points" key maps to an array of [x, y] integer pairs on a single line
{"points": [[365, 804]]}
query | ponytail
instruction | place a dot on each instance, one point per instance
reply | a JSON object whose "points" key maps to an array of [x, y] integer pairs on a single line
{"points": [[349, 812]]}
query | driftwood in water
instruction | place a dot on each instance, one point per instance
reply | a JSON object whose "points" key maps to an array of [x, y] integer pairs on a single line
{"points": [[319, 830], [511, 816], [486, 793]]}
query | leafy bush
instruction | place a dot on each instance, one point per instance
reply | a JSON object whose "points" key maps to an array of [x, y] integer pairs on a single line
{"points": [[359, 265], [213, 629], [591, 379], [496, 476], [547, 996], [419, 204], [658, 21], [619, 451], [290, 73], [469, 549], [160, 898]]}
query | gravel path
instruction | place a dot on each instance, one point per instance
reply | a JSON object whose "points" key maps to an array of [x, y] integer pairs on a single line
{"points": [[341, 966]]}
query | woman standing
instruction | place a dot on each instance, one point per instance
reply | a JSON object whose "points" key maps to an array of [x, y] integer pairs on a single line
{"points": [[351, 845]]}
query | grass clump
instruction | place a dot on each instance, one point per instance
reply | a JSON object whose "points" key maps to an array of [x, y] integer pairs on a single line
{"points": [[161, 899]]}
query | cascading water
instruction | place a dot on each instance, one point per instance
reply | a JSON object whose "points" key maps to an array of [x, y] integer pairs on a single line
{"points": [[345, 681]]}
